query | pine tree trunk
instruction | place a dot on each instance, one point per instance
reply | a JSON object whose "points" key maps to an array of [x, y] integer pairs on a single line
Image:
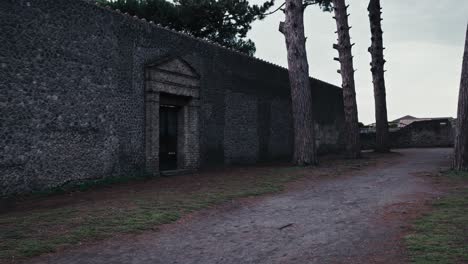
{"points": [[301, 96], [460, 159], [377, 69], [353, 148]]}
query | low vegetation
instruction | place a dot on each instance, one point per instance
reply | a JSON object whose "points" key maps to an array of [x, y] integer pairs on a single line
{"points": [[441, 235], [50, 223]]}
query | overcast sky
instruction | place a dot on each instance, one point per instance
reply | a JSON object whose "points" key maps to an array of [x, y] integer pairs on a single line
{"points": [[424, 48]]}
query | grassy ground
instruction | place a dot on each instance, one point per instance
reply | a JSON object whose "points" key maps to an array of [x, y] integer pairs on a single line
{"points": [[441, 236], [133, 207]]}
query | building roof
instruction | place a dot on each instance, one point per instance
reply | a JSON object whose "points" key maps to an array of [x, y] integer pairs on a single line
{"points": [[406, 117]]}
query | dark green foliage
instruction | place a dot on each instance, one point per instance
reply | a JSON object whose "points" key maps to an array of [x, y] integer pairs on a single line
{"points": [[223, 21], [326, 5]]}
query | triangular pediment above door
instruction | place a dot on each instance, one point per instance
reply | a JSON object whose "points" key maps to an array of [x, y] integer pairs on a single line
{"points": [[176, 65]]}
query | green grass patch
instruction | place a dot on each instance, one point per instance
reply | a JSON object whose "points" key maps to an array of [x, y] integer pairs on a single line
{"points": [[455, 175], [442, 235]]}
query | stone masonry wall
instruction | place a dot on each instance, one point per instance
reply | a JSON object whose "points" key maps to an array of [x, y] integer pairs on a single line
{"points": [[72, 98], [421, 134]]}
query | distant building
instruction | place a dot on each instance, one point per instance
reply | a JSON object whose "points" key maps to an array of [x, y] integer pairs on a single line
{"points": [[405, 121], [409, 131]]}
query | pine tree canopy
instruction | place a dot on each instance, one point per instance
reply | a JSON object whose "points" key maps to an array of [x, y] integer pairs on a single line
{"points": [[223, 21], [326, 5]]}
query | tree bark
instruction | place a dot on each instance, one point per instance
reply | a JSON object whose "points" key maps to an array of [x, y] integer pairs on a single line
{"points": [[301, 95], [460, 159], [353, 148], [377, 69]]}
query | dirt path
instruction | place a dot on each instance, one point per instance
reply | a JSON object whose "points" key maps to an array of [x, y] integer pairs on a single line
{"points": [[356, 219]]}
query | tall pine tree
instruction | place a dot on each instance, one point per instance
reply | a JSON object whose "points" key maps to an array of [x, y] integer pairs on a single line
{"points": [[353, 147], [301, 95], [382, 143], [460, 159]]}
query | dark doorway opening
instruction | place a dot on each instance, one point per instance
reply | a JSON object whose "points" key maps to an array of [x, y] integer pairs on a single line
{"points": [[168, 137]]}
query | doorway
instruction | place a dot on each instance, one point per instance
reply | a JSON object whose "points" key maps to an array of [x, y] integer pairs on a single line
{"points": [[168, 137], [172, 106]]}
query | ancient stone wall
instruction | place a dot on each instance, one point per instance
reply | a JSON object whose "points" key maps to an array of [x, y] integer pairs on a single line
{"points": [[72, 100], [421, 134]]}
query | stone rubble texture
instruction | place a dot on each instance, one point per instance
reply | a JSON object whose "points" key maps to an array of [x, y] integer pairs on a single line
{"points": [[74, 98]]}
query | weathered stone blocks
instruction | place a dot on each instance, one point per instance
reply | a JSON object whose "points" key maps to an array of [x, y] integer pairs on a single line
{"points": [[75, 102]]}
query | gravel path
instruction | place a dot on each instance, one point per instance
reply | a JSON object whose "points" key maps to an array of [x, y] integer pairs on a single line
{"points": [[341, 220]]}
